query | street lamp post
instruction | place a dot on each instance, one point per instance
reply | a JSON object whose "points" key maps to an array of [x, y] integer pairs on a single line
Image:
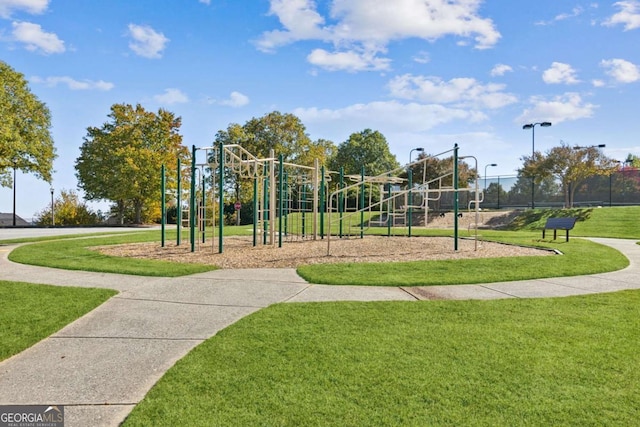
{"points": [[420, 149], [532, 126], [485, 174], [53, 222]]}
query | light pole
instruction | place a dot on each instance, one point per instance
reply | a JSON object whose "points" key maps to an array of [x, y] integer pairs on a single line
{"points": [[52, 212], [532, 126], [485, 174], [420, 149]]}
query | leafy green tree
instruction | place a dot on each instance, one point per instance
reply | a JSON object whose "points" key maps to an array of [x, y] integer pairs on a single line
{"points": [[68, 209], [569, 165], [121, 160], [25, 141], [285, 134], [368, 148]]}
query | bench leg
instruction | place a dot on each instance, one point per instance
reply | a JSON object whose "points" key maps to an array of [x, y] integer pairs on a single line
{"points": [[543, 230], [555, 234], [567, 235]]}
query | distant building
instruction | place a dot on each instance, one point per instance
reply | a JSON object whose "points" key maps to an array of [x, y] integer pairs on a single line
{"points": [[6, 220]]}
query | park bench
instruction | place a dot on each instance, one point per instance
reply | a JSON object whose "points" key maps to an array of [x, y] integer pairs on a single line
{"points": [[556, 224]]}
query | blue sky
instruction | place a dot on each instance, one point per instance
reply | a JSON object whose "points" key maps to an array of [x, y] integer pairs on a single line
{"points": [[425, 73]]}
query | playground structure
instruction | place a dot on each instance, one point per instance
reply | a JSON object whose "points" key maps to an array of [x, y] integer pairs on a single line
{"points": [[293, 202]]}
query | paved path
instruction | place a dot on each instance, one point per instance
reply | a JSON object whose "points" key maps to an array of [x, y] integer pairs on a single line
{"points": [[103, 364]]}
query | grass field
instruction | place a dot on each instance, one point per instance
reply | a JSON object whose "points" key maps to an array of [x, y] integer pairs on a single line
{"points": [[564, 361], [33, 312]]}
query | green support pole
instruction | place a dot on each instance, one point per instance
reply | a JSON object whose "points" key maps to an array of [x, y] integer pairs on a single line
{"points": [[340, 200], [280, 198], [163, 203], [455, 197], [410, 198], [322, 204], [220, 195], [179, 204], [362, 188], [389, 208], [203, 225], [255, 211], [192, 201]]}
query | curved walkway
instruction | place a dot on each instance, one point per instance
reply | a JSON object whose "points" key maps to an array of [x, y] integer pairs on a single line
{"points": [[103, 364]]}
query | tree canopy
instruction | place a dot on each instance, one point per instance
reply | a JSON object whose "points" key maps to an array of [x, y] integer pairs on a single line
{"points": [[25, 141], [121, 160], [570, 165], [368, 148]]}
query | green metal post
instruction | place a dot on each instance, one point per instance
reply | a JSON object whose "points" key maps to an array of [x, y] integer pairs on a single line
{"points": [[322, 204], [362, 188], [455, 197], [255, 211], [179, 204], [410, 198], [340, 200], [203, 221], [192, 201], [163, 203], [280, 198], [389, 208], [220, 195]]}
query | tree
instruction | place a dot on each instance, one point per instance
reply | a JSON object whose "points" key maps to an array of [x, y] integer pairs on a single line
{"points": [[436, 167], [25, 141], [367, 148], [68, 210], [121, 161], [570, 165], [285, 134]]}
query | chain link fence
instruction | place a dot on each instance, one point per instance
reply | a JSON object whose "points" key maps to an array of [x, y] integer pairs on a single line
{"points": [[510, 192]]}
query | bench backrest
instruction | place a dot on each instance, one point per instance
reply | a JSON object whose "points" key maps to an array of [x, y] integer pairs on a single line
{"points": [[560, 223]]}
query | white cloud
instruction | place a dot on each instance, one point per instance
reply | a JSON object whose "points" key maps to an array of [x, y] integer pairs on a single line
{"points": [[365, 27], [36, 39], [629, 15], [387, 115], [146, 42], [622, 71], [560, 73], [236, 99], [461, 91], [597, 83], [34, 7], [73, 84], [171, 96], [348, 61], [500, 70], [205, 1], [569, 106], [422, 57]]}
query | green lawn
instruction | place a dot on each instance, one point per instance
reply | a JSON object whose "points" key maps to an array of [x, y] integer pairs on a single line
{"points": [[33, 312], [72, 254], [564, 361], [579, 257]]}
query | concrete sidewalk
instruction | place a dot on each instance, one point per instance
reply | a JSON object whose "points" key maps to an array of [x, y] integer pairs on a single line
{"points": [[103, 364]]}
